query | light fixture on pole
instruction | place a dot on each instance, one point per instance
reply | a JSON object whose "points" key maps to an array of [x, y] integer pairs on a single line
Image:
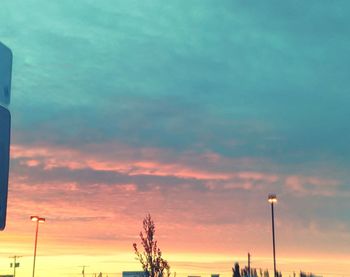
{"points": [[38, 220], [273, 199]]}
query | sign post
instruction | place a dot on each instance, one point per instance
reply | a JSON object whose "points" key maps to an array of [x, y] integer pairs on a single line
{"points": [[5, 127]]}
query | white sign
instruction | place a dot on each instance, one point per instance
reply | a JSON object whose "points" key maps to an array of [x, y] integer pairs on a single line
{"points": [[5, 74]]}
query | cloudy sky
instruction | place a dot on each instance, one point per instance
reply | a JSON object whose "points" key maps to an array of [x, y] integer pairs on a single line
{"points": [[191, 110]]}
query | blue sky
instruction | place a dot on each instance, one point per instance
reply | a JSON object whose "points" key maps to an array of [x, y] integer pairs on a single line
{"points": [[270, 77], [261, 85]]}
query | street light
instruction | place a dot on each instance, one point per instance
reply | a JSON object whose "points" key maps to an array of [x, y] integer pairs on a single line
{"points": [[273, 199], [38, 220]]}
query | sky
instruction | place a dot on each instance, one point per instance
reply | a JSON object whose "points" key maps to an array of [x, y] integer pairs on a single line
{"points": [[190, 110]]}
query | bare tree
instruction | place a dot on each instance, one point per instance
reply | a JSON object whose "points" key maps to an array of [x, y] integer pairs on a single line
{"points": [[151, 258]]}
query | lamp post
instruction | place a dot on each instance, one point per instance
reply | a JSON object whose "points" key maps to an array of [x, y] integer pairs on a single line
{"points": [[273, 199], [38, 220]]}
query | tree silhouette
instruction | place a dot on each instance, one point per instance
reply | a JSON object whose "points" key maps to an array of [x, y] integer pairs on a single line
{"points": [[244, 272], [151, 258], [236, 271]]}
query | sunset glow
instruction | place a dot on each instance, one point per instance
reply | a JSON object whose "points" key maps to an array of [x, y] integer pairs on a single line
{"points": [[201, 114]]}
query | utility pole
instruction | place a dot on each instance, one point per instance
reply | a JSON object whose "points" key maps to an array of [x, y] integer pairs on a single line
{"points": [[14, 264], [83, 271], [249, 264]]}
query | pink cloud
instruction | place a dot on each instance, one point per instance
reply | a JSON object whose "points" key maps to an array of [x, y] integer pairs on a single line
{"points": [[134, 162], [221, 210], [213, 171], [201, 202], [311, 185]]}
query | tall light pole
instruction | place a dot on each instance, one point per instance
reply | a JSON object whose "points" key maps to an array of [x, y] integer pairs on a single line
{"points": [[273, 199], [38, 220]]}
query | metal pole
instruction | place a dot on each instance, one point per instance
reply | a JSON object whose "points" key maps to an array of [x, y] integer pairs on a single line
{"points": [[273, 240], [14, 264], [14, 267], [36, 240], [249, 265]]}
